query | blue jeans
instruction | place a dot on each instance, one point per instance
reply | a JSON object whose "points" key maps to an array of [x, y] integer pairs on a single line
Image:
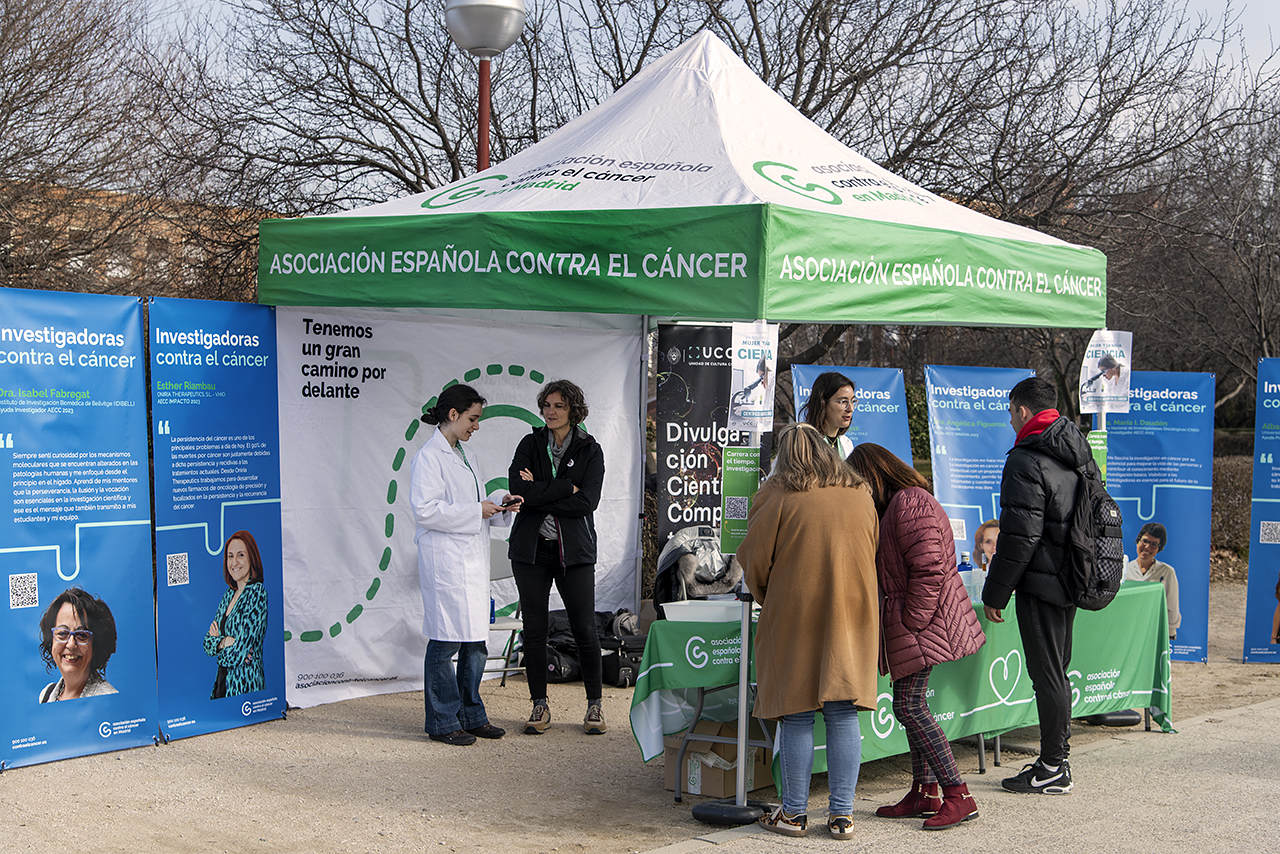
{"points": [[844, 757], [453, 700]]}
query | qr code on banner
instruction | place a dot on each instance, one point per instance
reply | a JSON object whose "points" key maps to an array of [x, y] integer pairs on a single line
{"points": [[1270, 533], [958, 529], [736, 507], [176, 565], [22, 591]]}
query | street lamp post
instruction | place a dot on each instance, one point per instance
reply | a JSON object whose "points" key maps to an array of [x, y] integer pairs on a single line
{"points": [[484, 28]]}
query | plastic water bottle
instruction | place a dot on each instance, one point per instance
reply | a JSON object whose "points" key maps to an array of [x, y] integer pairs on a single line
{"points": [[966, 574], [493, 611]]}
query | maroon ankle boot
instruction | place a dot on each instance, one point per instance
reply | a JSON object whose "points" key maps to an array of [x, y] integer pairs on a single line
{"points": [[922, 800], [957, 807]]}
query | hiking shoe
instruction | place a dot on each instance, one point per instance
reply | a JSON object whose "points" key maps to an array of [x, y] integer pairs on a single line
{"points": [[841, 826], [487, 731], [458, 738], [593, 723], [1037, 779], [788, 825], [539, 720]]}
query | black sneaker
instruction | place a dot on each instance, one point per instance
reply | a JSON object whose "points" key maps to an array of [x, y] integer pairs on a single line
{"points": [[487, 730], [458, 738], [1037, 779]]}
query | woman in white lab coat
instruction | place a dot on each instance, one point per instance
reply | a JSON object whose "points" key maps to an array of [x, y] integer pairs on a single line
{"points": [[453, 518]]}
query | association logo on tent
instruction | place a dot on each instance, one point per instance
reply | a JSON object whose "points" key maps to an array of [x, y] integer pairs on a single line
{"points": [[775, 173], [461, 193]]}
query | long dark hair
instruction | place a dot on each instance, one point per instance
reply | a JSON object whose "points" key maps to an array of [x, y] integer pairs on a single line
{"points": [[458, 396], [885, 472], [94, 615], [824, 388]]}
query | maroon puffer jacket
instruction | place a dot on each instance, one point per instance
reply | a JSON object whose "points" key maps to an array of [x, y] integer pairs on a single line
{"points": [[925, 617]]}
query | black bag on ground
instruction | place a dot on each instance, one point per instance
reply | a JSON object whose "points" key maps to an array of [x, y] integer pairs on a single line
{"points": [[620, 648], [1095, 546], [562, 653], [563, 664]]}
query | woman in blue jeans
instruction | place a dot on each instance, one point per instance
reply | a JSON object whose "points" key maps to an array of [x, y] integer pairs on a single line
{"points": [[810, 559], [453, 517]]}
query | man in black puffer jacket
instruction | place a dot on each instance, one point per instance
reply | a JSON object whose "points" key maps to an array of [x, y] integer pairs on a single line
{"points": [[1037, 493]]}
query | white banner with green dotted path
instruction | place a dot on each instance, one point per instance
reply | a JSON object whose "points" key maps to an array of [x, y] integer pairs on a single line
{"points": [[693, 191], [353, 383]]}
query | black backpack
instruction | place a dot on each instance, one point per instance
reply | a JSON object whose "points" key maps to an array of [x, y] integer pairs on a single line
{"points": [[1095, 546]]}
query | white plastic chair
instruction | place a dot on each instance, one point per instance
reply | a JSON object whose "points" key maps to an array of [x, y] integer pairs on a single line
{"points": [[500, 568]]}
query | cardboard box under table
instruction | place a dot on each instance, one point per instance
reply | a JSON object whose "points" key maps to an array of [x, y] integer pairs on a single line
{"points": [[712, 769]]}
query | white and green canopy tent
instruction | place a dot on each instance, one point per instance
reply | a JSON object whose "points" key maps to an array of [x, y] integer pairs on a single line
{"points": [[694, 191]]}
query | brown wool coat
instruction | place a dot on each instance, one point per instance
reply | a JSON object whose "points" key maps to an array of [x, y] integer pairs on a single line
{"points": [[809, 559], [926, 615]]}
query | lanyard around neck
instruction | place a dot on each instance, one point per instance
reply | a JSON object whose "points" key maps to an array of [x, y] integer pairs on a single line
{"points": [[467, 463]]}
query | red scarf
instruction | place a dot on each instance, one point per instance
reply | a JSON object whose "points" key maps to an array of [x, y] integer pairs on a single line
{"points": [[1037, 424]]}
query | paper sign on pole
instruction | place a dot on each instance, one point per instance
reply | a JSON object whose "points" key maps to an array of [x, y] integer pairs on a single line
{"points": [[755, 356], [739, 484], [1104, 373]]}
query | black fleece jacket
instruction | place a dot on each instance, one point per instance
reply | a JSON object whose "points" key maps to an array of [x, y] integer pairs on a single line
{"points": [[583, 467], [1037, 493]]}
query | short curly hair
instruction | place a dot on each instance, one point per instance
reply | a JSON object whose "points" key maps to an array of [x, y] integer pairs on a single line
{"points": [[573, 398], [94, 615]]}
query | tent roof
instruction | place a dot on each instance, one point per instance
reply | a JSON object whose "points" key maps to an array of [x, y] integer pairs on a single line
{"points": [[697, 128], [690, 179]]}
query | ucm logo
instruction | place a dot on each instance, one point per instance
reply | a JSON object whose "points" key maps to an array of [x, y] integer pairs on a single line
{"points": [[786, 180], [693, 650], [459, 194]]}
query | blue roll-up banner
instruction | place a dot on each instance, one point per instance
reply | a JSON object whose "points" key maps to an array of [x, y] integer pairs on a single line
{"points": [[970, 435], [1262, 608], [1160, 470], [76, 546], [219, 595], [881, 414]]}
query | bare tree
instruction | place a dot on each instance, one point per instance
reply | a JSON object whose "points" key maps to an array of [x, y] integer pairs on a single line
{"points": [[72, 177], [1205, 286]]}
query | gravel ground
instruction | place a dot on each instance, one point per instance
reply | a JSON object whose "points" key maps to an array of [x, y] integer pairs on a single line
{"points": [[360, 776]]}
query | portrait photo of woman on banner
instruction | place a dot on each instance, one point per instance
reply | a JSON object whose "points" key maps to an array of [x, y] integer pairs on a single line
{"points": [[235, 636], [78, 637]]}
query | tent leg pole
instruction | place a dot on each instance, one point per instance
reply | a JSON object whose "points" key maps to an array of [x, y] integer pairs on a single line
{"points": [[644, 454]]}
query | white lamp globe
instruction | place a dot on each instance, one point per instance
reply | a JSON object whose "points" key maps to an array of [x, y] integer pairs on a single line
{"points": [[484, 28]]}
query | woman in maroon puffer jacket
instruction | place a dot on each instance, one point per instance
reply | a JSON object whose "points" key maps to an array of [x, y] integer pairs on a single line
{"points": [[925, 619]]}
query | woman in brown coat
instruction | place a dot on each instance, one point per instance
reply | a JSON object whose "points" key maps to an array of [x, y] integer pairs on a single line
{"points": [[809, 558], [926, 619]]}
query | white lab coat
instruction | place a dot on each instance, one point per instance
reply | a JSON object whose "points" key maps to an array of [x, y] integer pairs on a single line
{"points": [[453, 541]]}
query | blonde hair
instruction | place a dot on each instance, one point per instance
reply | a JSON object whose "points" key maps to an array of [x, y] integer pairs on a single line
{"points": [[805, 461]]}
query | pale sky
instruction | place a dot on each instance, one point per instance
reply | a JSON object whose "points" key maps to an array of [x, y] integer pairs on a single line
{"points": [[1260, 20]]}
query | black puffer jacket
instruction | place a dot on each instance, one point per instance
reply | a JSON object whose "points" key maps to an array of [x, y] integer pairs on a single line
{"points": [[1037, 493], [583, 467]]}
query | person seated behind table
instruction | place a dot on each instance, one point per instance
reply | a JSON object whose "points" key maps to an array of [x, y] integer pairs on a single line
{"points": [[984, 543], [1145, 567]]}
